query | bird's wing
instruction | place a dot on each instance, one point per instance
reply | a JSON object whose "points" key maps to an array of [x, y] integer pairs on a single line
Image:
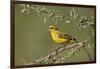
{"points": [[66, 36]]}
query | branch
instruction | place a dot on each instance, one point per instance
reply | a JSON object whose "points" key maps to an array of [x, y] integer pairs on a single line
{"points": [[70, 53], [54, 56]]}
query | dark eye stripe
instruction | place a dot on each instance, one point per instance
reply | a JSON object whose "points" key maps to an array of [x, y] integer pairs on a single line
{"points": [[52, 27]]}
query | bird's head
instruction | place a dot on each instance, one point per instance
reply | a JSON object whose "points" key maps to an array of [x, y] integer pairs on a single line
{"points": [[53, 28]]}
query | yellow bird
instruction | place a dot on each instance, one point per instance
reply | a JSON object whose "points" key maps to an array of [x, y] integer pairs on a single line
{"points": [[60, 37]]}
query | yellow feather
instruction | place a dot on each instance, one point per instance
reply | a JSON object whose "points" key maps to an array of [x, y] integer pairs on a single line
{"points": [[56, 38]]}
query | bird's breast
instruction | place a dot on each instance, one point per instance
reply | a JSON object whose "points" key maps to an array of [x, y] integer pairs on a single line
{"points": [[56, 38]]}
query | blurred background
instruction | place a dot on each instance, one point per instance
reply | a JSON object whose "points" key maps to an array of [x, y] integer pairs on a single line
{"points": [[33, 40]]}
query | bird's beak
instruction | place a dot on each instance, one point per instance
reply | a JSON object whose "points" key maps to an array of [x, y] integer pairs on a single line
{"points": [[49, 29]]}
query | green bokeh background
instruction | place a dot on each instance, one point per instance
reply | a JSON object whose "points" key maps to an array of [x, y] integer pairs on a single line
{"points": [[32, 38]]}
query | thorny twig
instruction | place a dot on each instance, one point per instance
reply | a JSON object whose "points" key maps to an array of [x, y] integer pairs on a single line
{"points": [[53, 57]]}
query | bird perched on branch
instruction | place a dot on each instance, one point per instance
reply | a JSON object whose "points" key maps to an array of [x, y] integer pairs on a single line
{"points": [[60, 37]]}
